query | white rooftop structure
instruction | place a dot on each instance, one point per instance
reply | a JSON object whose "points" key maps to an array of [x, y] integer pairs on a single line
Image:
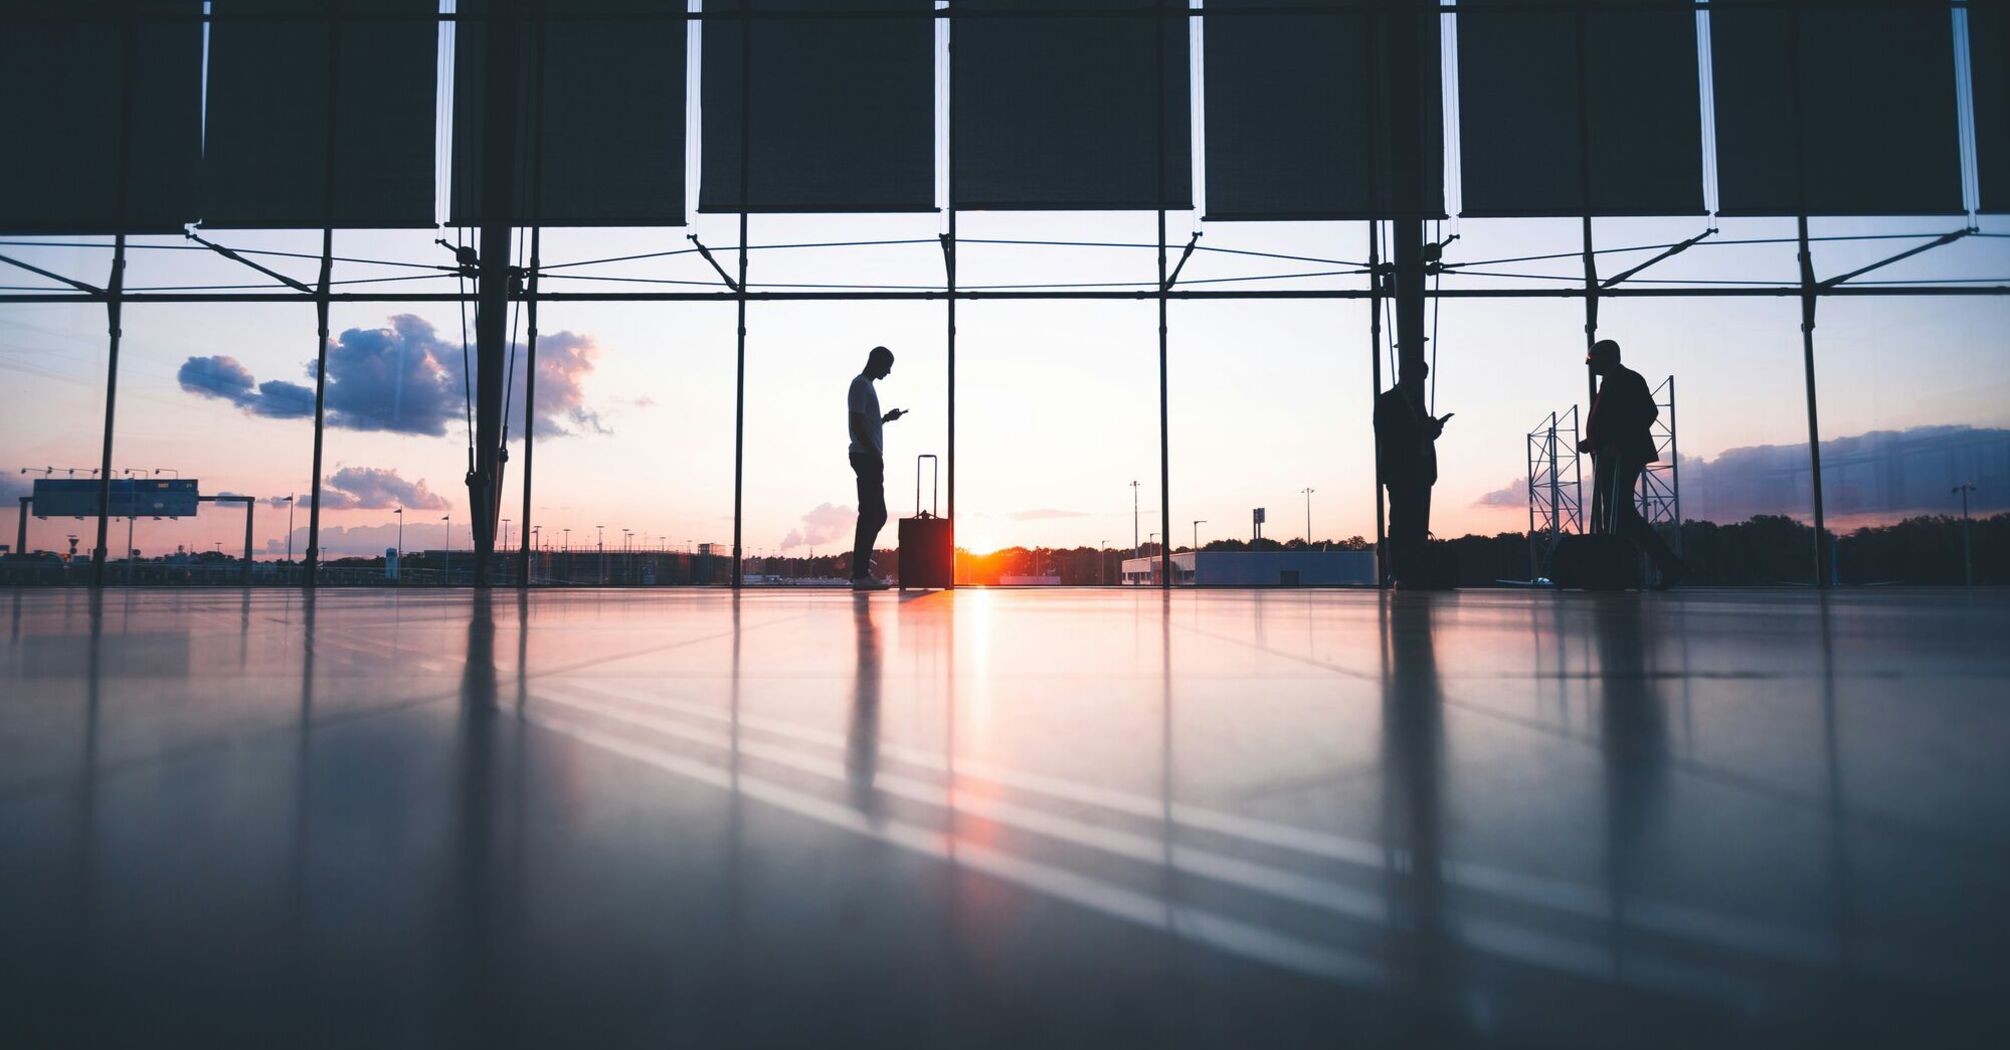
{"points": [[1285, 568]]}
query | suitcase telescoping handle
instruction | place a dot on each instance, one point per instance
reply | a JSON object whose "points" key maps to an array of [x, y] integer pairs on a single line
{"points": [[934, 486]]}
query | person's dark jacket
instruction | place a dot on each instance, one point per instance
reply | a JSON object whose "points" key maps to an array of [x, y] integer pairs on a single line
{"points": [[1406, 450], [1622, 417]]}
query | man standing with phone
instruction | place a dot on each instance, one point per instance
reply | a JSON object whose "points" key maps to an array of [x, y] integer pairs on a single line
{"points": [[868, 462], [1619, 435], [1406, 453]]}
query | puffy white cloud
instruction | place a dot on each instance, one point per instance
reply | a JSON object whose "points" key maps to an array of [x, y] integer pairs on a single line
{"points": [[822, 526], [372, 488], [1511, 495]]}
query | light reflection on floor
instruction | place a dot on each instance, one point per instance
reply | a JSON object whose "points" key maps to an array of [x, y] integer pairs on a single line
{"points": [[1004, 818]]}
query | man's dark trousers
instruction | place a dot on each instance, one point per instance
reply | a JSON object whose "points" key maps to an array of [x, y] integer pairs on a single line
{"points": [[871, 471], [1409, 531], [1617, 491]]}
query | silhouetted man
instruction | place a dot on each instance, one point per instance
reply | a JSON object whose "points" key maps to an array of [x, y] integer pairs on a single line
{"points": [[1619, 436], [868, 461], [1406, 453]]}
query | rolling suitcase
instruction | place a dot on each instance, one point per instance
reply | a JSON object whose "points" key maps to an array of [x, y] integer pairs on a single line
{"points": [[1596, 561], [927, 559]]}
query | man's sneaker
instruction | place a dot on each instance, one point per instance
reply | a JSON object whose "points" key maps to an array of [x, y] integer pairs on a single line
{"points": [[868, 583]]}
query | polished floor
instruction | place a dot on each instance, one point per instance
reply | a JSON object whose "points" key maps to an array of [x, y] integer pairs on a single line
{"points": [[1005, 818]]}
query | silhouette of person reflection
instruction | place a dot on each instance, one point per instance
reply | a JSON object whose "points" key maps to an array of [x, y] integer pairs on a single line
{"points": [[1619, 435], [1406, 455], [1412, 766], [861, 758], [1633, 742]]}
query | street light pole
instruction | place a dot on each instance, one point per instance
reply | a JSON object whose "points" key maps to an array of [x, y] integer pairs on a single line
{"points": [[400, 512], [290, 504], [1197, 523], [1308, 516], [600, 547], [447, 560], [1967, 560], [1134, 519]]}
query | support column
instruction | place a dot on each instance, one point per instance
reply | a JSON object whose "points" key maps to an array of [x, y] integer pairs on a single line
{"points": [[529, 413], [1590, 312], [114, 309], [740, 295], [1375, 392], [523, 553], [1583, 83], [21, 526], [311, 562], [321, 286], [115, 293], [1165, 423], [949, 262], [1808, 300], [250, 504], [492, 292], [1406, 173]]}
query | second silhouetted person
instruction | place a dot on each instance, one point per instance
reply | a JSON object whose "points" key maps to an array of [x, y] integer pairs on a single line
{"points": [[1406, 455], [1619, 435]]}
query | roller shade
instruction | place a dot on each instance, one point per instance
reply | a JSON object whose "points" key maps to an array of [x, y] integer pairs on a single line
{"points": [[1989, 66], [611, 133], [64, 84], [1876, 99], [1293, 127], [265, 147], [1064, 112], [1529, 135], [843, 116]]}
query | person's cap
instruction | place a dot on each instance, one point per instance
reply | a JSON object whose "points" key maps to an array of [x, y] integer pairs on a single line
{"points": [[1602, 348]]}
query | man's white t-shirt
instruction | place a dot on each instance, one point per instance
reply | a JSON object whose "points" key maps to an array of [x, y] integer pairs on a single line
{"points": [[864, 401]]}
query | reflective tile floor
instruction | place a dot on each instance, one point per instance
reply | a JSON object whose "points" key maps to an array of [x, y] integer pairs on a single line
{"points": [[1005, 818]]}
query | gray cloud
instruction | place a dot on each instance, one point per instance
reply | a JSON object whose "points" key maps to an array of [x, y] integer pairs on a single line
{"points": [[223, 378], [1046, 514], [404, 378], [14, 485], [372, 488], [1880, 474], [822, 526], [1872, 476]]}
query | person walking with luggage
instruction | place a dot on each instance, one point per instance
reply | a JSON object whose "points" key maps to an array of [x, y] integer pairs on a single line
{"points": [[1406, 453], [868, 462], [1619, 436]]}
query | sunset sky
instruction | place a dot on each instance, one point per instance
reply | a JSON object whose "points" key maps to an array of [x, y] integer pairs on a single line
{"points": [[1057, 401]]}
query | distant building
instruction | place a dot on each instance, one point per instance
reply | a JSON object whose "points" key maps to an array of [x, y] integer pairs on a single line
{"points": [[1029, 581], [1299, 568]]}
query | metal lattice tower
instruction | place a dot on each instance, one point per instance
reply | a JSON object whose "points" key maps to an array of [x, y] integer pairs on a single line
{"points": [[1555, 487], [1659, 496]]}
